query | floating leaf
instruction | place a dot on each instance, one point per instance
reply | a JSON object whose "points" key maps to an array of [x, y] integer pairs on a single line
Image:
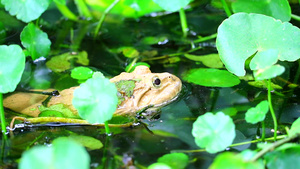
{"points": [[82, 73], [61, 62], [258, 113], [213, 132], [210, 60], [96, 100], [211, 77], [295, 128], [12, 61], [63, 154], [175, 160], [269, 72], [243, 35], [279, 9], [159, 166], [234, 161], [36, 41], [26, 10], [173, 6], [87, 141], [60, 108]]}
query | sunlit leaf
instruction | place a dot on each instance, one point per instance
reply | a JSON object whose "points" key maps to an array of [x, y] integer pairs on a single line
{"points": [[213, 132], [210, 60], [130, 52], [63, 154], [96, 100], [173, 6], [12, 61], [295, 128], [211, 77], [26, 10], [230, 160], [258, 113], [159, 166], [279, 9], [82, 73], [269, 72], [175, 160], [36, 41], [243, 35], [61, 108], [264, 59]]}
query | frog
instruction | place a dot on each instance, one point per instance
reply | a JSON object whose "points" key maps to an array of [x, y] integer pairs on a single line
{"points": [[137, 91]]}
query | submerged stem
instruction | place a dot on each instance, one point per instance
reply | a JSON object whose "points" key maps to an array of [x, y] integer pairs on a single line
{"points": [[183, 22], [271, 109], [263, 130], [226, 8], [2, 117]]}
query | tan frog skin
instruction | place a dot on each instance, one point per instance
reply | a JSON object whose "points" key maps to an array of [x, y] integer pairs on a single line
{"points": [[152, 89]]}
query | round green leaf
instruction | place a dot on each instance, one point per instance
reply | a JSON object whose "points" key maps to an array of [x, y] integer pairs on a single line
{"points": [[243, 35], [26, 10], [211, 77], [82, 73], [12, 61], [295, 128], [213, 132], [269, 72], [279, 9], [173, 5], [175, 160], [36, 41], [96, 100], [210, 60], [159, 166], [257, 114], [32, 158]]}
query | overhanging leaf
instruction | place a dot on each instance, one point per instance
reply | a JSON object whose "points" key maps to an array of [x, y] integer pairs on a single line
{"points": [[173, 6], [257, 114], [26, 10], [242, 35], [269, 72]]}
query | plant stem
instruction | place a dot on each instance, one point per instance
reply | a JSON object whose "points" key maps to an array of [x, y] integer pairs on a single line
{"points": [[263, 130], [274, 145], [271, 109], [83, 9], [107, 131], [64, 10], [103, 17], [226, 8], [297, 74], [202, 39], [296, 17], [183, 22], [2, 117]]}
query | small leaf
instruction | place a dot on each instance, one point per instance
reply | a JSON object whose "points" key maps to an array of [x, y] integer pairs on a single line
{"points": [[159, 166], [213, 132], [295, 128], [131, 68], [26, 10], [175, 160], [174, 6], [60, 108], [211, 77], [210, 60], [35, 41], [81, 73], [96, 100], [269, 72], [12, 61], [87, 141], [130, 52], [32, 158], [257, 114]]}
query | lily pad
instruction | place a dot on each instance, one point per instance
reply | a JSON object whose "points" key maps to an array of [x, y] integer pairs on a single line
{"points": [[173, 6], [35, 41], [82, 73], [243, 35], [211, 77], [279, 9], [96, 100], [213, 132], [258, 113], [63, 154], [26, 10], [11, 71], [175, 160]]}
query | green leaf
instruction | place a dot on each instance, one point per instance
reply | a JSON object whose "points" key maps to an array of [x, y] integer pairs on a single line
{"points": [[175, 160], [258, 113], [127, 8], [96, 100], [82, 73], [230, 160], [211, 77], [63, 154], [60, 108], [210, 60], [213, 132], [131, 68], [295, 128], [243, 35], [130, 52], [264, 59], [87, 141], [159, 166], [36, 41], [151, 40], [11, 70], [269, 72], [61, 62], [279, 9], [26, 10], [173, 6]]}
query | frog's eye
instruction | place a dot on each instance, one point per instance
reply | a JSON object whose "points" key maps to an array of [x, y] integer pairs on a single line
{"points": [[156, 81]]}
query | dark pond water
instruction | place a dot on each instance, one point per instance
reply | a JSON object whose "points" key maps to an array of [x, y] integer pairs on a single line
{"points": [[172, 131]]}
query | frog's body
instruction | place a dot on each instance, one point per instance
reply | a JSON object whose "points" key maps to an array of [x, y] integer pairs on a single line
{"points": [[151, 89]]}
